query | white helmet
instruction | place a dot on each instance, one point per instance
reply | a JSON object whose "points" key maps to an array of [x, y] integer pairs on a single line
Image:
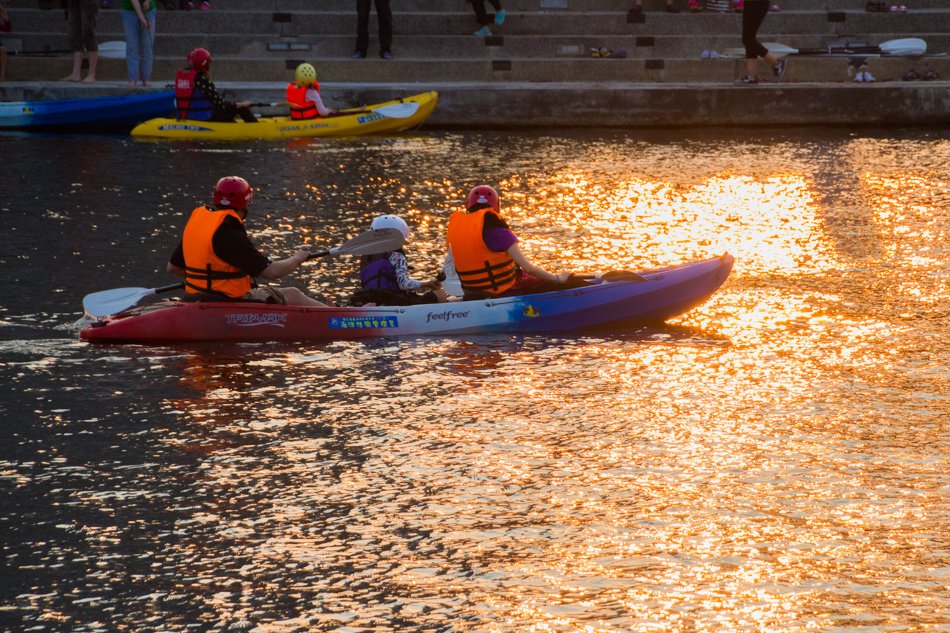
{"points": [[391, 222]]}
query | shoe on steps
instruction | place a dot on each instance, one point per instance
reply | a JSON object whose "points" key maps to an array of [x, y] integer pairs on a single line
{"points": [[748, 80], [780, 69], [483, 32], [500, 16]]}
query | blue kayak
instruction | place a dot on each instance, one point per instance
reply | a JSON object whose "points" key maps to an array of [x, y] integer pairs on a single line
{"points": [[89, 114]]}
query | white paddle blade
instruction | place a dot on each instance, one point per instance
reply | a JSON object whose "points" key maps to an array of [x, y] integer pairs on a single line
{"points": [[112, 50], [907, 47], [372, 242], [106, 302], [777, 49], [398, 110]]}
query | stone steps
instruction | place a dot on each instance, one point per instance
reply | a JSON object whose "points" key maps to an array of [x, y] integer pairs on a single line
{"points": [[433, 41]]}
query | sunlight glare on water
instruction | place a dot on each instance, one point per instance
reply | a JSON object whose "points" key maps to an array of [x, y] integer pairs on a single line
{"points": [[776, 459]]}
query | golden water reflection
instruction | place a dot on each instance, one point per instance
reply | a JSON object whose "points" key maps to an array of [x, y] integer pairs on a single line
{"points": [[773, 461], [744, 475]]}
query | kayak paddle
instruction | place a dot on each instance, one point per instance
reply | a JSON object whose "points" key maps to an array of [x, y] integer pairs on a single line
{"points": [[391, 111], [367, 243], [906, 47], [402, 110], [106, 302]]}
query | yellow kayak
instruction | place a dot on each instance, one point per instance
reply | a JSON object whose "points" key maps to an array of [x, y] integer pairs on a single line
{"points": [[391, 116]]}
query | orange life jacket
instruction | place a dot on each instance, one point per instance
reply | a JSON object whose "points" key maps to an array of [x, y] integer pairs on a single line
{"points": [[479, 269], [205, 271], [300, 108]]}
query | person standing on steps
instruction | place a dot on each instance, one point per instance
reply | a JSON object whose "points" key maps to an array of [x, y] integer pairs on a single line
{"points": [[638, 7], [752, 16], [82, 36], [481, 16], [138, 22], [5, 27], [384, 15]]}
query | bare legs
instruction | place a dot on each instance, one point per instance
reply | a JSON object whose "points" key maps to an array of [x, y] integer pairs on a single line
{"points": [[76, 75]]}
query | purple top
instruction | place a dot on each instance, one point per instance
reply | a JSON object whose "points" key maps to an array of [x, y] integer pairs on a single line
{"points": [[498, 239]]}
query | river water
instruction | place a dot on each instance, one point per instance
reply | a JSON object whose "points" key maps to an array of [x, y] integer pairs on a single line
{"points": [[777, 459]]}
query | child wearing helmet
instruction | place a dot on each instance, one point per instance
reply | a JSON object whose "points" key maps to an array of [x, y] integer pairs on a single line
{"points": [[385, 277], [218, 260], [303, 95], [483, 253], [197, 98]]}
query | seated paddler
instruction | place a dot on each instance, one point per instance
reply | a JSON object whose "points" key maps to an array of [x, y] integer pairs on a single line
{"points": [[303, 95], [385, 277], [218, 260], [486, 257], [197, 98]]}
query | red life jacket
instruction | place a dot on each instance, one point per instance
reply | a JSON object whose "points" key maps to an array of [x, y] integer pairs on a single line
{"points": [[300, 108], [191, 103]]}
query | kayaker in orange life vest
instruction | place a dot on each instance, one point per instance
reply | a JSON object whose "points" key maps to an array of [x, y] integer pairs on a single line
{"points": [[303, 95], [216, 257], [197, 98], [485, 254]]}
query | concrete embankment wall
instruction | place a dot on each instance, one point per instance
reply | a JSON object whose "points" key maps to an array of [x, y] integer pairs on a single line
{"points": [[536, 69]]}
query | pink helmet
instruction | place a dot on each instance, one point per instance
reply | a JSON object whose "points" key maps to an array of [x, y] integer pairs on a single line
{"points": [[200, 59], [233, 192], [483, 194]]}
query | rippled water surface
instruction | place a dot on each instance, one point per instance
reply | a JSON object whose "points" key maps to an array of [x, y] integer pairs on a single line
{"points": [[775, 460]]}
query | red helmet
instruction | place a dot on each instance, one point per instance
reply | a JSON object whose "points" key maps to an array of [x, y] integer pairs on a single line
{"points": [[483, 194], [233, 192], [200, 59]]}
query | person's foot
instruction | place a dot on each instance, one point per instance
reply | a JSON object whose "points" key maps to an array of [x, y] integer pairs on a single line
{"points": [[359, 54], [780, 69], [205, 6], [500, 16], [483, 32], [90, 79], [386, 54], [71, 78], [748, 80], [671, 9]]}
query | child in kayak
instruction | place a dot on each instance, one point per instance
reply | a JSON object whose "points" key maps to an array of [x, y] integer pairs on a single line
{"points": [[303, 95], [484, 253], [385, 277]]}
